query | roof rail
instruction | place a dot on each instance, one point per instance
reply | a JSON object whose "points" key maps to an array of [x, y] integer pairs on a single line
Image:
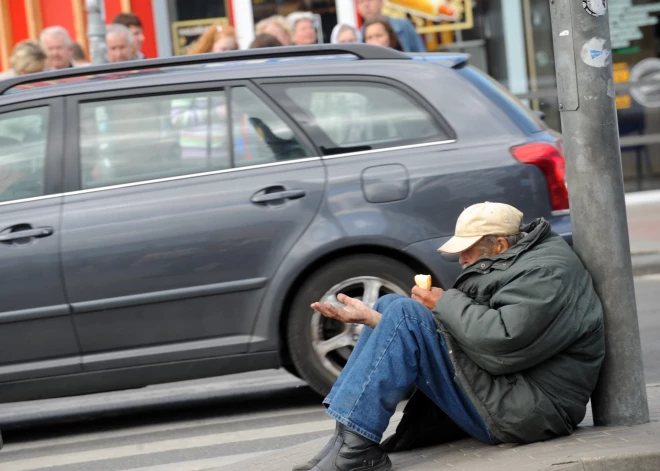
{"points": [[362, 51]]}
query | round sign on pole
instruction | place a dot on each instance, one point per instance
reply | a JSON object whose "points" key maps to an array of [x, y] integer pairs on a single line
{"points": [[646, 93]]}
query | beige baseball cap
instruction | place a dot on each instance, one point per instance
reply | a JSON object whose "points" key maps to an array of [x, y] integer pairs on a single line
{"points": [[480, 220]]}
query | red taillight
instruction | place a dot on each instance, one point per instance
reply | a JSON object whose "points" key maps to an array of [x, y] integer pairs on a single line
{"points": [[550, 161]]}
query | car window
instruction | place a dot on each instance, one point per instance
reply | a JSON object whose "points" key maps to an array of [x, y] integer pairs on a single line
{"points": [[365, 115], [259, 135], [23, 140], [146, 138]]}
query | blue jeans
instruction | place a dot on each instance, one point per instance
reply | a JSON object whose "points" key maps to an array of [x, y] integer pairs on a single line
{"points": [[404, 349]]}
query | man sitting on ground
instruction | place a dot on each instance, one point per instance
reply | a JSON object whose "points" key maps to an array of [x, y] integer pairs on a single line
{"points": [[510, 354]]}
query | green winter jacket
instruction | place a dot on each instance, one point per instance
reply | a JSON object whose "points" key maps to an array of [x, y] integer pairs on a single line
{"points": [[525, 334]]}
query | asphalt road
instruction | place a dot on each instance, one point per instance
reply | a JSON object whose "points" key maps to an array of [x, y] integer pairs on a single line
{"points": [[201, 425]]}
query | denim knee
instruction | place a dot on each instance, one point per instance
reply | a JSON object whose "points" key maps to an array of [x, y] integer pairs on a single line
{"points": [[412, 309], [385, 301]]}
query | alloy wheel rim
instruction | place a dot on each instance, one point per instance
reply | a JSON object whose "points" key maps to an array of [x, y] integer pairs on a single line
{"points": [[332, 340]]}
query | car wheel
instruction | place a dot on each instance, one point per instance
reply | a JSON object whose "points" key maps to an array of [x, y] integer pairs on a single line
{"points": [[320, 347]]}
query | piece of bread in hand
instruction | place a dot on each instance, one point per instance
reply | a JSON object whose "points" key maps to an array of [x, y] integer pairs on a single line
{"points": [[423, 281]]}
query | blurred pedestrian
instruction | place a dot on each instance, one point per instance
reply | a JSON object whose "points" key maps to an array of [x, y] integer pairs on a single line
{"points": [[217, 38], [58, 45], [277, 26], [265, 40], [409, 39], [119, 42], [379, 32], [134, 25], [79, 55], [343, 33], [27, 57], [302, 25]]}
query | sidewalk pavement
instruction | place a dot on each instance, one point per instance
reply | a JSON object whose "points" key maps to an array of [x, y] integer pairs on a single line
{"points": [[588, 449], [643, 210]]}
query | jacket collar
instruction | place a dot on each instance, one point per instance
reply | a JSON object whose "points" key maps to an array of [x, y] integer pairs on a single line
{"points": [[536, 231]]}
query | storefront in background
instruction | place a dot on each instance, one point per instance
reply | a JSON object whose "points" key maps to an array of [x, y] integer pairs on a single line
{"points": [[509, 39], [25, 19]]}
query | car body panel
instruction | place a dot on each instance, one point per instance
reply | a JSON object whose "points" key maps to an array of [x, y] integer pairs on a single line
{"points": [[186, 277]]}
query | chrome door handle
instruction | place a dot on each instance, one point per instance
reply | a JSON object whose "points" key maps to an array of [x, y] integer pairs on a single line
{"points": [[278, 195]]}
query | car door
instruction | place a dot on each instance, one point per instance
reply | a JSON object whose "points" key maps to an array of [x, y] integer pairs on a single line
{"points": [[36, 334], [186, 203]]}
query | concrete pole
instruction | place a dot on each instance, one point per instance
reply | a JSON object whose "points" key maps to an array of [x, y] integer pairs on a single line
{"points": [[581, 36], [96, 31]]}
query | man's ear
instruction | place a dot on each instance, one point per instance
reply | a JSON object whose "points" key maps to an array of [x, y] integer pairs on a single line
{"points": [[502, 245]]}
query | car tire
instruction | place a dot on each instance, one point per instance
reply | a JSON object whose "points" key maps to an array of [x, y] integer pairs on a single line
{"points": [[307, 329]]}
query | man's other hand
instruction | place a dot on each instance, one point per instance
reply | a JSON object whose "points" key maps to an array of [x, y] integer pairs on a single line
{"points": [[352, 311], [425, 297]]}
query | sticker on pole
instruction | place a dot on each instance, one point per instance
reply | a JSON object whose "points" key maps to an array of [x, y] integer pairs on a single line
{"points": [[595, 7], [595, 54]]}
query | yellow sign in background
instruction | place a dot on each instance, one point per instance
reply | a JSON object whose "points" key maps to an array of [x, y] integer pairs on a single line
{"points": [[184, 33], [621, 73], [433, 16]]}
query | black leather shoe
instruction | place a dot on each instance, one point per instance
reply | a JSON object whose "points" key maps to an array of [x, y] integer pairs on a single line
{"points": [[320, 455], [353, 452]]}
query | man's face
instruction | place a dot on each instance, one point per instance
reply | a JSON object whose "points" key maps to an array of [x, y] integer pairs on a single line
{"points": [[367, 9], [138, 37], [471, 255], [60, 54], [119, 49], [481, 250]]}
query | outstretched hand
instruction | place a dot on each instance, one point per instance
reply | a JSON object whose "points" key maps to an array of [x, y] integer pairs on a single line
{"points": [[427, 298], [352, 311]]}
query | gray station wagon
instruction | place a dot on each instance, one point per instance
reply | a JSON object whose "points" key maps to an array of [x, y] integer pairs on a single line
{"points": [[173, 219]]}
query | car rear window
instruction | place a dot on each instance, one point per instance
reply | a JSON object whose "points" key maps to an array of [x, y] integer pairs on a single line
{"points": [[362, 115], [505, 100]]}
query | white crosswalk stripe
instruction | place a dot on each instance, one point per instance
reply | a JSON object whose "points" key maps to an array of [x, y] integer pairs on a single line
{"points": [[96, 451], [88, 437], [14, 457], [165, 445], [238, 428]]}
